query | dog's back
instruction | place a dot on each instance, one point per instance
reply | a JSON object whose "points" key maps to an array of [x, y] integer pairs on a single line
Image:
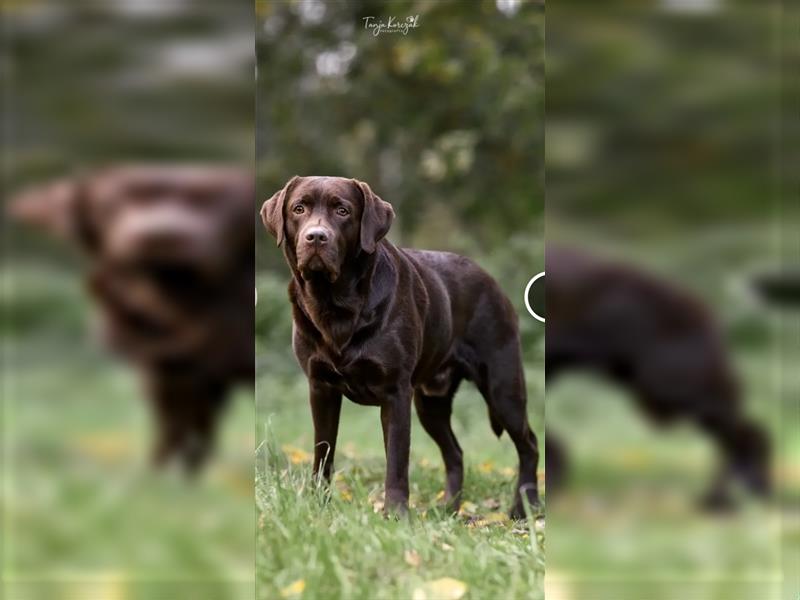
{"points": [[636, 329], [657, 341]]}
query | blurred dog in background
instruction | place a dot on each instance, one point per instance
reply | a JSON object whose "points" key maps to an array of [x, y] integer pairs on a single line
{"points": [[660, 344], [171, 268]]}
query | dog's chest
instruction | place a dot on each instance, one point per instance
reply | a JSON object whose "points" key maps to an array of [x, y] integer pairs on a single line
{"points": [[362, 379]]}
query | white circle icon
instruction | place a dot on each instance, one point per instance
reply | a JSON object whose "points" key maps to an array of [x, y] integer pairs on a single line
{"points": [[527, 301]]}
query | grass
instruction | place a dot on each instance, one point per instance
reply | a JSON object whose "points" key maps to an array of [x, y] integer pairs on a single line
{"points": [[84, 511], [83, 514], [629, 526], [336, 540], [338, 543], [628, 520]]}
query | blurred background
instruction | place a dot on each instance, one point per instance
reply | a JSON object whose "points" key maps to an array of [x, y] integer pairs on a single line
{"points": [[447, 124], [668, 149], [669, 146], [85, 85]]}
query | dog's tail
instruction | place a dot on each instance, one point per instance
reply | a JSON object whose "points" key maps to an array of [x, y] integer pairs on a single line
{"points": [[497, 427]]}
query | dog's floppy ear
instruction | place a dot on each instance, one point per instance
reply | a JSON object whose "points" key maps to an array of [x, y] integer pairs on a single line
{"points": [[272, 211], [57, 208], [376, 218]]}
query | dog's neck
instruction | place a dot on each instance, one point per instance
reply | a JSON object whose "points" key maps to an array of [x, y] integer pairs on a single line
{"points": [[336, 309]]}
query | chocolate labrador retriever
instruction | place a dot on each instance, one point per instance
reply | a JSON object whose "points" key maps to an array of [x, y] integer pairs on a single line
{"points": [[382, 325], [661, 344], [171, 267]]}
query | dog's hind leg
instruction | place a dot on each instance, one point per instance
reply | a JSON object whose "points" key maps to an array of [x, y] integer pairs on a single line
{"points": [[434, 413], [745, 457], [503, 387]]}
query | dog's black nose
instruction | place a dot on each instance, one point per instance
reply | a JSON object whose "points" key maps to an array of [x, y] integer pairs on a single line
{"points": [[316, 235]]}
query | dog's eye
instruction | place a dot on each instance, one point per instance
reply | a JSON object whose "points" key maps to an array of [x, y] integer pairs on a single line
{"points": [[342, 211], [299, 209]]}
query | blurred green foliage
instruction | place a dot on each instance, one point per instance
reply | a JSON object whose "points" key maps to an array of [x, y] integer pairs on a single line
{"points": [[446, 123], [663, 117]]}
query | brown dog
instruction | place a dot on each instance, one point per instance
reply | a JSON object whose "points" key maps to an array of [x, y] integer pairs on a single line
{"points": [[659, 343], [171, 266], [381, 324]]}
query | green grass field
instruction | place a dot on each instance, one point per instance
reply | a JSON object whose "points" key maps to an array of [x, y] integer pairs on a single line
{"points": [[337, 541], [629, 526], [84, 515], [629, 519]]}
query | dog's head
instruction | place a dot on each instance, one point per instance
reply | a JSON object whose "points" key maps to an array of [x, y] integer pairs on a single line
{"points": [[147, 215], [161, 241], [325, 221]]}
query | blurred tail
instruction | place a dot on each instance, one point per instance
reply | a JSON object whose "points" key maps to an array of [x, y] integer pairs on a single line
{"points": [[496, 426]]}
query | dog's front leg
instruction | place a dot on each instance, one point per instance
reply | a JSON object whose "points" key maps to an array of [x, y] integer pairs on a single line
{"points": [[396, 422], [326, 405]]}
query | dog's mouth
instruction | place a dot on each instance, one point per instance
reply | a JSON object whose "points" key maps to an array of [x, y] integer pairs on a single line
{"points": [[315, 266]]}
